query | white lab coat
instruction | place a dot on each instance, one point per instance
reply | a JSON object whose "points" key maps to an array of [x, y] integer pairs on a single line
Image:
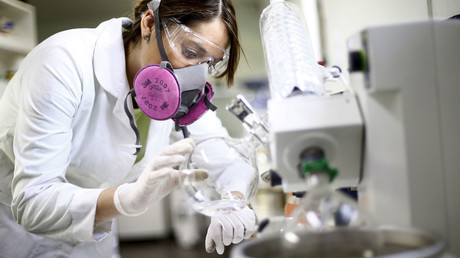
{"points": [[65, 136]]}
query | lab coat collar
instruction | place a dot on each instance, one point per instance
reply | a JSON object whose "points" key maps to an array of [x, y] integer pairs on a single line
{"points": [[109, 57], [110, 65]]}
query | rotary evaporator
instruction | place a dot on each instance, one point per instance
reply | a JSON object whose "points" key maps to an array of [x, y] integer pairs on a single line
{"points": [[393, 135]]}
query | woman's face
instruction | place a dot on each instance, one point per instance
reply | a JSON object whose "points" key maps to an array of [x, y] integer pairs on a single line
{"points": [[204, 42], [185, 46]]}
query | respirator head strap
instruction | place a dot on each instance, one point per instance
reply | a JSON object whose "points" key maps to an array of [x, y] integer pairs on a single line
{"points": [[207, 102], [166, 65], [132, 124], [182, 128]]}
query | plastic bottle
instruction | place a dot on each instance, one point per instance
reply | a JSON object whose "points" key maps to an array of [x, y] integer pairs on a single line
{"points": [[288, 51]]}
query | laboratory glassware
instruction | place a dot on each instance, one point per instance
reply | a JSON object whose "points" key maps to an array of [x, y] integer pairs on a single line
{"points": [[288, 51], [220, 176], [325, 209]]}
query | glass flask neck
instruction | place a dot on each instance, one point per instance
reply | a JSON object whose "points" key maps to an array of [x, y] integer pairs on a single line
{"points": [[317, 179], [258, 131], [257, 135]]}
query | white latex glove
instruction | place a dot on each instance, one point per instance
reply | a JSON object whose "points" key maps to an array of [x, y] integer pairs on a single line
{"points": [[156, 181], [227, 229]]}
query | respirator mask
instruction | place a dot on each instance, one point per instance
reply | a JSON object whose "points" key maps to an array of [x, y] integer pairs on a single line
{"points": [[183, 95]]}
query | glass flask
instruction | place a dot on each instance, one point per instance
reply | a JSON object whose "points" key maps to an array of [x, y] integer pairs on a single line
{"points": [[324, 209], [288, 51], [220, 176]]}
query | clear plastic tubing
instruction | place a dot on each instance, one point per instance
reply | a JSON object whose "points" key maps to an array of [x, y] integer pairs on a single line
{"points": [[288, 51]]}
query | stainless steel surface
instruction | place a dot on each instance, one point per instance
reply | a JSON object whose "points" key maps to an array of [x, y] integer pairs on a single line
{"points": [[397, 243]]}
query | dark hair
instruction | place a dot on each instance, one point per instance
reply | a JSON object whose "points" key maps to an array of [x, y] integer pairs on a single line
{"points": [[189, 13]]}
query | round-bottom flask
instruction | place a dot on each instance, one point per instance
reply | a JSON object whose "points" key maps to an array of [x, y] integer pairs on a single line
{"points": [[220, 176], [324, 210]]}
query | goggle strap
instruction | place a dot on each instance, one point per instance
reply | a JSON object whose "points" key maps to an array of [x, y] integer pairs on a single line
{"points": [[156, 13]]}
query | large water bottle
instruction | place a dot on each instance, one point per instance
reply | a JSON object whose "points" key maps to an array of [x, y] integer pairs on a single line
{"points": [[288, 51]]}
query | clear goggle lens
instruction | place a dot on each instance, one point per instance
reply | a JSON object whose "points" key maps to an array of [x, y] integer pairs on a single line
{"points": [[193, 48]]}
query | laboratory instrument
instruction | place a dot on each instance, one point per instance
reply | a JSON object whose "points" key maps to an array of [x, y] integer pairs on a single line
{"points": [[407, 81], [297, 90], [393, 135]]}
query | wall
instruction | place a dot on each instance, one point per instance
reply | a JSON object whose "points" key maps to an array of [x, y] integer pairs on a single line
{"points": [[442, 9], [57, 15], [342, 19], [339, 20], [248, 13]]}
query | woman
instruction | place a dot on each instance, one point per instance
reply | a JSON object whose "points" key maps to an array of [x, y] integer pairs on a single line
{"points": [[68, 134]]}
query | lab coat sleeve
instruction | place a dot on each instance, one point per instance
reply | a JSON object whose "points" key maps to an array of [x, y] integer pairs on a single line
{"points": [[44, 202]]}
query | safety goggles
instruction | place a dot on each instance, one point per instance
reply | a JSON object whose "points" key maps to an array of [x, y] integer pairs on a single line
{"points": [[193, 48]]}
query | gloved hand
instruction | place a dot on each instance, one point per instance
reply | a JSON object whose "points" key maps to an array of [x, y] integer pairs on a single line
{"points": [[156, 181], [227, 229]]}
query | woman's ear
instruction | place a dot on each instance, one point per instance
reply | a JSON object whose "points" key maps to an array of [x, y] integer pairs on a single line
{"points": [[147, 24]]}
